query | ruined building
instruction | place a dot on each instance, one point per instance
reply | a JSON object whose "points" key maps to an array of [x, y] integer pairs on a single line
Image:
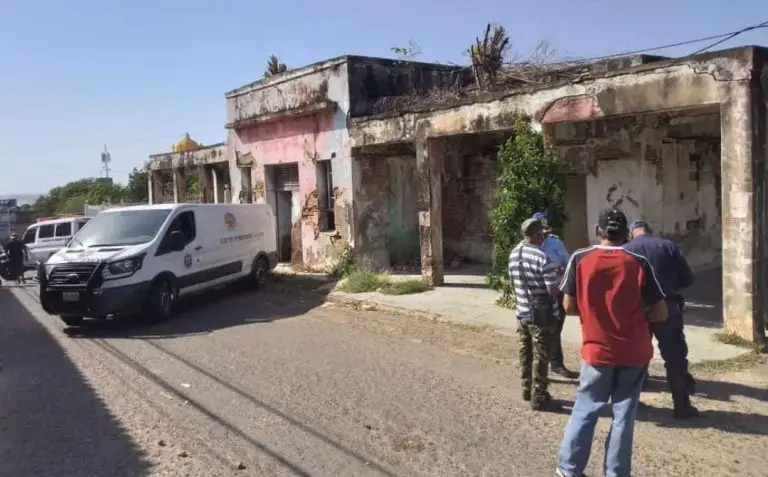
{"points": [[370, 153]]}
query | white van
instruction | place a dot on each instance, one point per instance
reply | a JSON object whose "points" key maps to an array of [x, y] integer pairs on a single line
{"points": [[139, 260], [46, 237]]}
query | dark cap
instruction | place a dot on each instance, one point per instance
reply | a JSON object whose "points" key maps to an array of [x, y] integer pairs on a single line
{"points": [[531, 227], [612, 221], [636, 224]]}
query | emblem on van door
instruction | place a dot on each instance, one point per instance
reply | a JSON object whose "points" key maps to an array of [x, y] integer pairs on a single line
{"points": [[229, 220], [187, 260]]}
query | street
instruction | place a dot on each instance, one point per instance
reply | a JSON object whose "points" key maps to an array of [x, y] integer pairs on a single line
{"points": [[276, 383]]}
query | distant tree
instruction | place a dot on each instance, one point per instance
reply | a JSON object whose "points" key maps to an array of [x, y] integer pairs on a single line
{"points": [[274, 67], [71, 197], [407, 52], [137, 188]]}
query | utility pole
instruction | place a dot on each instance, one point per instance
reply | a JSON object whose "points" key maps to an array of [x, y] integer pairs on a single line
{"points": [[106, 159]]}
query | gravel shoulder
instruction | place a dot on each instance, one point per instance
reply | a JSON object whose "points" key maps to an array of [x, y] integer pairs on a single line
{"points": [[282, 384]]}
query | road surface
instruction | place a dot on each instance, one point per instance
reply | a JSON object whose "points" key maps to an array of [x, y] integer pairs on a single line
{"points": [[278, 384]]}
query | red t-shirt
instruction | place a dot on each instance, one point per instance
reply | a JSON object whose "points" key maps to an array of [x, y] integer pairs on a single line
{"points": [[613, 287]]}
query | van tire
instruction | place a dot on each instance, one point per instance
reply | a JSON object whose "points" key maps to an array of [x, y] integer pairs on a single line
{"points": [[72, 320], [158, 306], [259, 272]]}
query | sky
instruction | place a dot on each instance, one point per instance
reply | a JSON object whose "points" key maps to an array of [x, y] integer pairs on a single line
{"points": [[136, 76]]}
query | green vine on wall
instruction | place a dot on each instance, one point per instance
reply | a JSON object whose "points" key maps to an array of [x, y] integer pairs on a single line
{"points": [[531, 178]]}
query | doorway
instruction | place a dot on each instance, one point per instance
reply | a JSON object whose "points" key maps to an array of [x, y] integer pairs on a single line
{"points": [[286, 202]]}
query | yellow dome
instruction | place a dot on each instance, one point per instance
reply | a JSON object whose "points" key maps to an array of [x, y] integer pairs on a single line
{"points": [[186, 144]]}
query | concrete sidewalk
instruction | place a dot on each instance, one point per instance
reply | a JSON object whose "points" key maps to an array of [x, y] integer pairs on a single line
{"points": [[466, 299]]}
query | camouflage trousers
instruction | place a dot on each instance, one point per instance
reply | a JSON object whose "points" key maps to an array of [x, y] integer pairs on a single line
{"points": [[535, 342]]}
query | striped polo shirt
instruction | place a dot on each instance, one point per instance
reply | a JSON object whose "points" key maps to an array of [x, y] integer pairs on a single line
{"points": [[532, 273]]}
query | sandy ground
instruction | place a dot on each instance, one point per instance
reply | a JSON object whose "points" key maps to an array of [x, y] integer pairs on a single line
{"points": [[282, 384]]}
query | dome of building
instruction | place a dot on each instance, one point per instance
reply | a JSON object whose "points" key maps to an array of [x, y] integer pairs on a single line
{"points": [[186, 144]]}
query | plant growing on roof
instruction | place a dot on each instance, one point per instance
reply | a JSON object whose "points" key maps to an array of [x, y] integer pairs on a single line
{"points": [[531, 177], [487, 55], [274, 67]]}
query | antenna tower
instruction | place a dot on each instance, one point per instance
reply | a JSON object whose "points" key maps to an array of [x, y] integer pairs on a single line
{"points": [[106, 159]]}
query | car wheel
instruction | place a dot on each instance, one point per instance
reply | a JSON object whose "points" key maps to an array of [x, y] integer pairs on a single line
{"points": [[72, 320], [159, 304], [259, 272]]}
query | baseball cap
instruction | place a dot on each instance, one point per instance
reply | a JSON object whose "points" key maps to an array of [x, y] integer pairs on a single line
{"points": [[540, 216], [531, 227], [636, 224], [612, 221]]}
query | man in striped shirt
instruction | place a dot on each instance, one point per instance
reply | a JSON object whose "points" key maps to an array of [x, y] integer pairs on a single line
{"points": [[536, 283]]}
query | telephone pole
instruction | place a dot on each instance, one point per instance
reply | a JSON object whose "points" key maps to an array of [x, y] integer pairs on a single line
{"points": [[106, 159]]}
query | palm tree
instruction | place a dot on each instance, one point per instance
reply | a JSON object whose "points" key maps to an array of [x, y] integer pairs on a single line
{"points": [[274, 67], [488, 54]]}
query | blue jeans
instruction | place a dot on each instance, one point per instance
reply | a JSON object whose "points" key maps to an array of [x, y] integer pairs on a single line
{"points": [[598, 385]]}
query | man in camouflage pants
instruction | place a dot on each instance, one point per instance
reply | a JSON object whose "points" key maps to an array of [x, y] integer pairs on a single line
{"points": [[536, 283]]}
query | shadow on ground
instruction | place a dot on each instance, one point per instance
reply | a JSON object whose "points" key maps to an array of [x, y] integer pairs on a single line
{"points": [[51, 421], [203, 313]]}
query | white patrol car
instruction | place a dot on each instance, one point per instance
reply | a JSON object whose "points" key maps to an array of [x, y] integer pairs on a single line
{"points": [[139, 260]]}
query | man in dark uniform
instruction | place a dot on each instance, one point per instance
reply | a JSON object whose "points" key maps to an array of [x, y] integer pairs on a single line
{"points": [[674, 274], [17, 253]]}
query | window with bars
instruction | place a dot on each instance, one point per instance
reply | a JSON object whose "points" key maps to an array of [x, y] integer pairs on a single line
{"points": [[325, 196]]}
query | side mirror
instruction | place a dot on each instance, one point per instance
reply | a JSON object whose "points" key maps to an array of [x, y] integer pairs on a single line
{"points": [[176, 241]]}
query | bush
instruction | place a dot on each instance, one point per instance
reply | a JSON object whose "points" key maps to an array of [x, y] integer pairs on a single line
{"points": [[405, 287], [362, 280], [344, 265], [531, 178]]}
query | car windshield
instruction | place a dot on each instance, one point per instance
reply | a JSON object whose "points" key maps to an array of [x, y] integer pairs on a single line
{"points": [[129, 227]]}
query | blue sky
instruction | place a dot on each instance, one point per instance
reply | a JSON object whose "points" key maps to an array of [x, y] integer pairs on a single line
{"points": [[137, 75]]}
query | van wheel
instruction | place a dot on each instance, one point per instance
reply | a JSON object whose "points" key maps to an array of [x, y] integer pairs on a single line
{"points": [[72, 320], [159, 303], [259, 272]]}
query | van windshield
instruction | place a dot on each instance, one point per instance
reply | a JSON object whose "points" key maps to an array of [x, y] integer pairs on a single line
{"points": [[130, 227]]}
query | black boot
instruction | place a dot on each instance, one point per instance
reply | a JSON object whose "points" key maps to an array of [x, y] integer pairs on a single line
{"points": [[681, 401], [561, 370], [690, 383]]}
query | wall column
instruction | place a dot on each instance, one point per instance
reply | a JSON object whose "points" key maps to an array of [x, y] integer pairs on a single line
{"points": [[179, 185], [206, 188], [429, 169], [743, 131], [215, 182], [155, 187]]}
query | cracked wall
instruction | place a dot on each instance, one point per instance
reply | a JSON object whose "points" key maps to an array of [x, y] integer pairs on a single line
{"points": [[663, 168]]}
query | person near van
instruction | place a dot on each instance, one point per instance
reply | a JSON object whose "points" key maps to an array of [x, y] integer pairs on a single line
{"points": [[535, 280], [616, 294], [17, 254], [674, 275], [557, 252]]}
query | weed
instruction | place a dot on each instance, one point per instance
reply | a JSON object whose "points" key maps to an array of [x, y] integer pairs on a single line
{"points": [[405, 287], [362, 280]]}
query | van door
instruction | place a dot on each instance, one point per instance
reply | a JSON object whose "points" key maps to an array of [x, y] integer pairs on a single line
{"points": [[29, 238], [185, 264]]}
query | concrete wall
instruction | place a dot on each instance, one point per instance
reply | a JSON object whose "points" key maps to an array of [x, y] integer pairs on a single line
{"points": [[665, 170], [298, 118]]}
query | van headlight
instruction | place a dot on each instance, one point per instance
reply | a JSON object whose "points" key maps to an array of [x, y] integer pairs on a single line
{"points": [[122, 268]]}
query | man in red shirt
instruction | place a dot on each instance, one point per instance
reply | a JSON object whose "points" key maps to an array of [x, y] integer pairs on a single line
{"points": [[616, 294]]}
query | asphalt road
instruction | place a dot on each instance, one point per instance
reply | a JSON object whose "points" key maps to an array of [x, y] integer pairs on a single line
{"points": [[280, 384]]}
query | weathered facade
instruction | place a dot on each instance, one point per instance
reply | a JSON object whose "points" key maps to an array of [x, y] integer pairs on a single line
{"points": [[171, 173], [680, 142], [289, 145]]}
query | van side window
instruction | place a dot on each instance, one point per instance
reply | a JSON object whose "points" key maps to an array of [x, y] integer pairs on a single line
{"points": [[29, 236], [81, 223], [46, 231], [64, 229], [184, 223]]}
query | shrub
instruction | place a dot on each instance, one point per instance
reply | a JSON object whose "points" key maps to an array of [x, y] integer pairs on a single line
{"points": [[531, 178]]}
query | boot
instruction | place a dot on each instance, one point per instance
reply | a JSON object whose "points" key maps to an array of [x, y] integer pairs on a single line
{"points": [[690, 383], [681, 401]]}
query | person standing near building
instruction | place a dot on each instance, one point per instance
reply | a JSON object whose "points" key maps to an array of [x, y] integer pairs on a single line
{"points": [[616, 294], [558, 254], [536, 287], [17, 253], [674, 275]]}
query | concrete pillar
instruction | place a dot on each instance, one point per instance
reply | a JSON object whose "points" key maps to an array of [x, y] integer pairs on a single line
{"points": [[429, 168], [155, 187], [215, 181], [179, 185], [206, 187], [743, 133]]}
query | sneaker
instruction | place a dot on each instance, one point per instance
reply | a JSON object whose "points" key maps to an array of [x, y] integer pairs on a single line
{"points": [[545, 404], [561, 473]]}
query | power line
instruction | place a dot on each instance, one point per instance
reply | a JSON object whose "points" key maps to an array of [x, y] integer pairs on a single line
{"points": [[723, 37]]}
